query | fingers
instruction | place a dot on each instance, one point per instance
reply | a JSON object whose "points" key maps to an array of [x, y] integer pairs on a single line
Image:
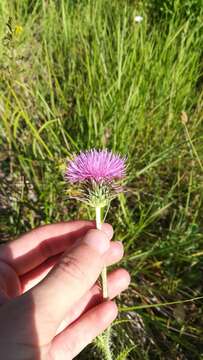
{"points": [[32, 278], [118, 281], [71, 278], [72, 340], [33, 248], [115, 253], [9, 283]]}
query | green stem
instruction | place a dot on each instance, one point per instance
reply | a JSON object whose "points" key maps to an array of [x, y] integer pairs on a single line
{"points": [[107, 333], [104, 271], [104, 284], [108, 352]]}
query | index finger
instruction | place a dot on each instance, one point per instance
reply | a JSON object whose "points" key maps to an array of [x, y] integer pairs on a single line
{"points": [[35, 247]]}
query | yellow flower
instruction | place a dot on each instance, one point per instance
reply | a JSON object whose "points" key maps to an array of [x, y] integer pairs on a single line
{"points": [[18, 29]]}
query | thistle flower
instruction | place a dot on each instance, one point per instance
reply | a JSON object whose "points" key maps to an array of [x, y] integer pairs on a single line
{"points": [[97, 173], [96, 165]]}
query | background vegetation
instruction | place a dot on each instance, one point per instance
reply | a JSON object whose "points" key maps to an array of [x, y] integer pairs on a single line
{"points": [[82, 74]]}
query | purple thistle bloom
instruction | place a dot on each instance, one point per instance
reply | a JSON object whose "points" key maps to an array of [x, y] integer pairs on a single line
{"points": [[96, 165]]}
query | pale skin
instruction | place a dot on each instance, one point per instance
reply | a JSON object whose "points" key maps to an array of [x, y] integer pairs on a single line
{"points": [[51, 305]]}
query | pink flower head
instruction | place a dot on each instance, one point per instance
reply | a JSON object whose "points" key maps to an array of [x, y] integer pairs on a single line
{"points": [[96, 165]]}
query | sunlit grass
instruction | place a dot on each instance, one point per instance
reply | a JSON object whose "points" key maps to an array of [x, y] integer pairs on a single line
{"points": [[82, 74]]}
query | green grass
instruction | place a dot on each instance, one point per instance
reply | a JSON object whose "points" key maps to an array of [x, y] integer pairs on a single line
{"points": [[83, 74]]}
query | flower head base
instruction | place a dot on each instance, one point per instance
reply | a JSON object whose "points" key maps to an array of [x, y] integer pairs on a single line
{"points": [[96, 172]]}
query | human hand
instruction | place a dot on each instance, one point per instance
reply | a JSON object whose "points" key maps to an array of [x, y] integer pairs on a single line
{"points": [[50, 304]]}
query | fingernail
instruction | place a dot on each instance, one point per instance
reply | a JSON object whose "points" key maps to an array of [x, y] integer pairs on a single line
{"points": [[98, 240]]}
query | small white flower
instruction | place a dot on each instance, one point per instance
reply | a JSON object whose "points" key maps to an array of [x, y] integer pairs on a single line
{"points": [[138, 19]]}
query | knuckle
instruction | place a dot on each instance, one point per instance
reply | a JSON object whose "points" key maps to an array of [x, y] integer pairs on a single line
{"points": [[64, 352], [46, 249], [70, 265]]}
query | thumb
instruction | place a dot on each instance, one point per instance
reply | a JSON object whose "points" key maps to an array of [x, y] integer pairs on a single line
{"points": [[71, 278]]}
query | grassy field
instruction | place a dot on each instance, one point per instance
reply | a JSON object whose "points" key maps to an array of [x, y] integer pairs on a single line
{"points": [[83, 74]]}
